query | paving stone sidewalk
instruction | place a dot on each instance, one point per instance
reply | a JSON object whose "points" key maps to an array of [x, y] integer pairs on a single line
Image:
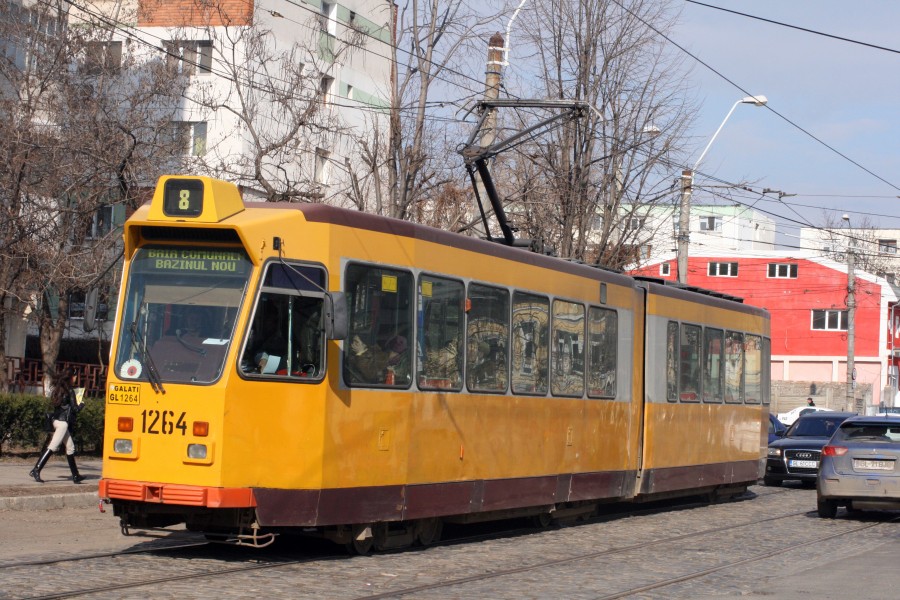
{"points": [[18, 491]]}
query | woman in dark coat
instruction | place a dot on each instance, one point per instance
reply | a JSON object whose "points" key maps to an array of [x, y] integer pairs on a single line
{"points": [[65, 408]]}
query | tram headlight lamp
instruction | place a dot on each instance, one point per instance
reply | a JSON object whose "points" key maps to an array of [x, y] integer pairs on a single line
{"points": [[197, 451], [775, 452], [122, 446]]}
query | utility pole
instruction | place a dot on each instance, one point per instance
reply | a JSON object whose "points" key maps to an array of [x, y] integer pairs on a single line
{"points": [[493, 74], [684, 225], [851, 320]]}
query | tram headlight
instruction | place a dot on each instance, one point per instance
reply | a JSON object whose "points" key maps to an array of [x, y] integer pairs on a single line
{"points": [[775, 452], [121, 446], [197, 451]]}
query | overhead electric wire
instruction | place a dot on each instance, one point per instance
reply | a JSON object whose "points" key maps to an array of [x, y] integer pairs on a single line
{"points": [[797, 27], [744, 91]]}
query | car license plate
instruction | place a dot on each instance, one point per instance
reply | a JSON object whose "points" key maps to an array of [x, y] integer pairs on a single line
{"points": [[804, 464], [873, 465]]}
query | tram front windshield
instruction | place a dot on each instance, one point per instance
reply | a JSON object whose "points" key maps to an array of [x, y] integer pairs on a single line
{"points": [[179, 316]]}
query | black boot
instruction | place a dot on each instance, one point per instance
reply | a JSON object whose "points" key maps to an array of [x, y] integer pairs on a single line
{"points": [[76, 478], [36, 471]]}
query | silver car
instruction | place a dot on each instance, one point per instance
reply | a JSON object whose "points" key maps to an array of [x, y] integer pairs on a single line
{"points": [[860, 466]]}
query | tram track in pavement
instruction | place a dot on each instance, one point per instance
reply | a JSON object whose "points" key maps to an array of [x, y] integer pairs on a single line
{"points": [[274, 563]]}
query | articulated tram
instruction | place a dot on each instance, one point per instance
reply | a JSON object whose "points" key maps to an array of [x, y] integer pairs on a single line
{"points": [[298, 368]]}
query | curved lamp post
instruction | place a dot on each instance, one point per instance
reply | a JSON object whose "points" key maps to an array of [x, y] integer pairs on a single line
{"points": [[687, 182]]}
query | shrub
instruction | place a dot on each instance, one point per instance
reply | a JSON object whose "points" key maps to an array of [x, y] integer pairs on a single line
{"points": [[22, 423]]}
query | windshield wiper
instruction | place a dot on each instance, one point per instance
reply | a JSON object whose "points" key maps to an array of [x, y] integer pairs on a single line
{"points": [[137, 341]]}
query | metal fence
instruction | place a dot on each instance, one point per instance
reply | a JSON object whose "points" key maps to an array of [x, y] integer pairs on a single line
{"points": [[27, 375]]}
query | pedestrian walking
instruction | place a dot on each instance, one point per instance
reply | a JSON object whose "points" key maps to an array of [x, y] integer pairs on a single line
{"points": [[65, 408]]}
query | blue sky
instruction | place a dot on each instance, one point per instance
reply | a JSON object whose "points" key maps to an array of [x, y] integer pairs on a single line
{"points": [[844, 94]]}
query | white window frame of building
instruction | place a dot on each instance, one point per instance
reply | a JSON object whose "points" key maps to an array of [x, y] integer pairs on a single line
{"points": [[101, 223], [328, 20], [710, 223], [634, 223], [722, 269], [42, 27], [326, 86], [782, 271], [192, 134], [887, 246], [320, 175], [189, 57], [665, 269], [830, 319], [102, 57]]}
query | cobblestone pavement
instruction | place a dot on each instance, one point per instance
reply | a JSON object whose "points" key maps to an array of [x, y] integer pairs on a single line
{"points": [[734, 547]]}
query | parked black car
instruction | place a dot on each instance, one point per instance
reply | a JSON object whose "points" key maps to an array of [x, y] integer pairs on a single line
{"points": [[796, 455], [860, 466]]}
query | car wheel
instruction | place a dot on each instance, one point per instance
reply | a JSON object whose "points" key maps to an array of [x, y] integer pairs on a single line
{"points": [[772, 481], [827, 508]]}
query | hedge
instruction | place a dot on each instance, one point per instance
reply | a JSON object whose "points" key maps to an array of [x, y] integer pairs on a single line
{"points": [[22, 423]]}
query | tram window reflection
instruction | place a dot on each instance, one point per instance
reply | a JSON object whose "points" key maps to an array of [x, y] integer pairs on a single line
{"points": [[487, 336], [378, 350], [567, 352], [603, 339], [440, 336], [530, 344], [734, 367]]}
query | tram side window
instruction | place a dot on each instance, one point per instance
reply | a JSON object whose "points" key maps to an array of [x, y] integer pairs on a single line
{"points": [[440, 341], [752, 369], [378, 350], [487, 338], [672, 362], [713, 373], [530, 343], [603, 338], [734, 367], [766, 371], [286, 336], [567, 353], [689, 367]]}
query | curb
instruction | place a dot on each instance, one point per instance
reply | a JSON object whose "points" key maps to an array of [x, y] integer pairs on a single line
{"points": [[50, 501]]}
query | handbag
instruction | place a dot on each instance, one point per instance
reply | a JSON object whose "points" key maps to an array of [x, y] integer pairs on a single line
{"points": [[48, 423]]}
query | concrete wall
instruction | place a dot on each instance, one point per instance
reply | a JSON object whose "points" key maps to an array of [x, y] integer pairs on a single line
{"points": [[791, 394]]}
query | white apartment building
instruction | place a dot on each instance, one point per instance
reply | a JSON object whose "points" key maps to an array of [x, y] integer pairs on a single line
{"points": [[715, 229], [874, 250], [241, 102]]}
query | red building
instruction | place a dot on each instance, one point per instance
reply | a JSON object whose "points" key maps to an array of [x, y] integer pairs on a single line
{"points": [[807, 299]]}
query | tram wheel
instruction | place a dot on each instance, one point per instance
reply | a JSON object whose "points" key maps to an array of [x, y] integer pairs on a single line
{"points": [[428, 531], [542, 520], [363, 541]]}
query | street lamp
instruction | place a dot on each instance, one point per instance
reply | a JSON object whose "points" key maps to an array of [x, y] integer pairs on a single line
{"points": [[851, 317], [687, 182]]}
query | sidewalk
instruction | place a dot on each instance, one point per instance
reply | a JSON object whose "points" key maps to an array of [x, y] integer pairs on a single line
{"points": [[18, 491]]}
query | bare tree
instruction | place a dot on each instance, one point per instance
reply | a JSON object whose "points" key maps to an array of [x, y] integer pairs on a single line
{"points": [[82, 135], [578, 186], [273, 96], [407, 173]]}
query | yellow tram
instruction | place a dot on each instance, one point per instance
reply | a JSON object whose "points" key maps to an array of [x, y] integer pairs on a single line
{"points": [[298, 367]]}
